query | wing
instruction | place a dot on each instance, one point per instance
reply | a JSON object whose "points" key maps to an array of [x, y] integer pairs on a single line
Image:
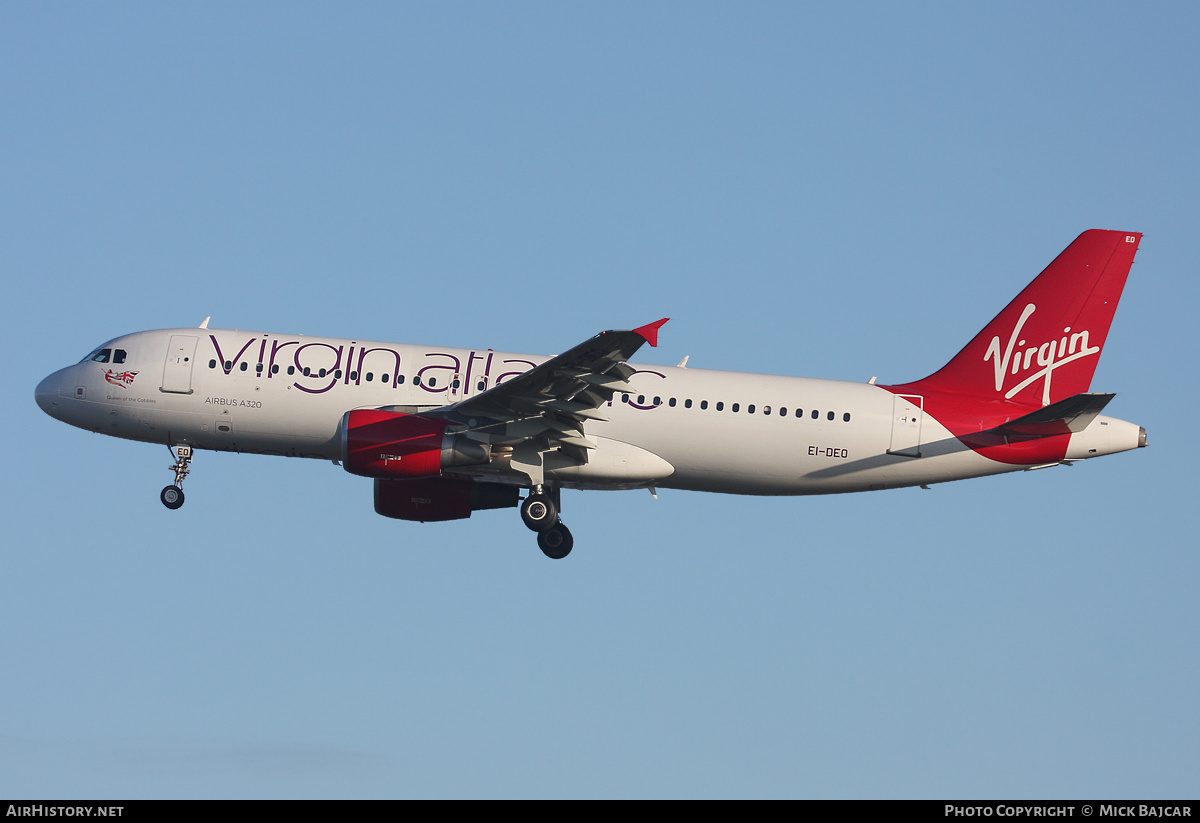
{"points": [[551, 403]]}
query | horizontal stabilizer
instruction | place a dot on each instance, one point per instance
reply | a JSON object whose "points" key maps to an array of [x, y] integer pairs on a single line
{"points": [[1067, 416]]}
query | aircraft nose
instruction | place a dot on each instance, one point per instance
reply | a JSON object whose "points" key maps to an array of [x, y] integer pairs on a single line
{"points": [[48, 393]]}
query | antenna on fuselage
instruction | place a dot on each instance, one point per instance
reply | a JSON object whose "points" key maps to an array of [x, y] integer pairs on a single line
{"points": [[204, 325]]}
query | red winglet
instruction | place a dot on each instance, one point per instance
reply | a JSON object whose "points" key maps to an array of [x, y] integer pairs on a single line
{"points": [[650, 331]]}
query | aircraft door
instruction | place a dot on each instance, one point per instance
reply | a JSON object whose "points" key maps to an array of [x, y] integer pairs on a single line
{"points": [[906, 425], [177, 371], [463, 386]]}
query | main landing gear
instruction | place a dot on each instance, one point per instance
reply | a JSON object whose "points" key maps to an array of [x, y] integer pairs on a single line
{"points": [[540, 513], [172, 496]]}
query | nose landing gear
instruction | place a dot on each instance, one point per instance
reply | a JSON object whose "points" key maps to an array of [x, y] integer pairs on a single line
{"points": [[172, 496], [540, 511]]}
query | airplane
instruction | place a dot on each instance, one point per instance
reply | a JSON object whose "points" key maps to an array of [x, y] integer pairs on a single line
{"points": [[445, 432]]}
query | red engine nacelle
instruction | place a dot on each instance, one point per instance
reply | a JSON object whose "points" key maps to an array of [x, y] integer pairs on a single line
{"points": [[431, 499], [378, 443]]}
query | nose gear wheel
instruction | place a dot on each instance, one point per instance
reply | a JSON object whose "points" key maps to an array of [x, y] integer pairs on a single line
{"points": [[172, 496]]}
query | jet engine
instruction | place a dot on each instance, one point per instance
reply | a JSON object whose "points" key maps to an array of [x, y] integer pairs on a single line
{"points": [[377, 443]]}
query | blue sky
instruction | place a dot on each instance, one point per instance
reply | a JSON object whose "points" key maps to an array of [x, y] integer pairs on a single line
{"points": [[830, 191]]}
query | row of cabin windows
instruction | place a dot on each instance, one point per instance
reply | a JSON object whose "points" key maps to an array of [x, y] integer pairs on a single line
{"points": [[735, 407], [337, 374], [432, 382], [107, 356]]}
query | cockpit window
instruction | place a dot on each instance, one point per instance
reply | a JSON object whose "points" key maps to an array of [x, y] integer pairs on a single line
{"points": [[118, 355], [101, 356]]}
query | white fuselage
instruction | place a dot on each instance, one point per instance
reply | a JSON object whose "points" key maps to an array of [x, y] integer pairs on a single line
{"points": [[682, 428]]}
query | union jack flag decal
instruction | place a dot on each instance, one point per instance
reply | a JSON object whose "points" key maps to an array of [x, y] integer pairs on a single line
{"points": [[123, 379]]}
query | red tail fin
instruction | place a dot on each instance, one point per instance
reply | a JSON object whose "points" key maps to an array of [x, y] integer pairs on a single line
{"points": [[1045, 344]]}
